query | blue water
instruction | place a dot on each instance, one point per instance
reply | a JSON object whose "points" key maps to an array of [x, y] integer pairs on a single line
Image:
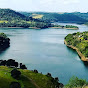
{"points": [[45, 51]]}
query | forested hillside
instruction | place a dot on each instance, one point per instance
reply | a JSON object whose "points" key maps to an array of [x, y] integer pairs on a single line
{"points": [[55, 17], [9, 15], [10, 18]]}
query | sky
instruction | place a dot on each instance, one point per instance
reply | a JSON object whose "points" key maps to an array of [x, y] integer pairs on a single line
{"points": [[46, 5]]}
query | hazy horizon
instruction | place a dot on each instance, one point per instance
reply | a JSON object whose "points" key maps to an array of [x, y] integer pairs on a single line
{"points": [[46, 5]]}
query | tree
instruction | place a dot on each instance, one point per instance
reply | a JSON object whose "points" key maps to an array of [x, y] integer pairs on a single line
{"points": [[56, 79], [15, 85], [76, 82], [15, 73], [49, 74], [3, 62], [22, 66], [36, 71]]}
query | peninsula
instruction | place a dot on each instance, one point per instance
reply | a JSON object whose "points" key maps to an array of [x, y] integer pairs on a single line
{"points": [[79, 42]]}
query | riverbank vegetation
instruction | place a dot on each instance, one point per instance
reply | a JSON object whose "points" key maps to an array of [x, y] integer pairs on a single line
{"points": [[75, 82], [65, 27], [79, 40]]}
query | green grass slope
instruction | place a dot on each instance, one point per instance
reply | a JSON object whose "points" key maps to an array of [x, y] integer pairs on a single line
{"points": [[28, 79]]}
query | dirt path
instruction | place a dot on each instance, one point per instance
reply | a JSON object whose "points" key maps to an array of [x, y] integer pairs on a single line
{"points": [[32, 81]]}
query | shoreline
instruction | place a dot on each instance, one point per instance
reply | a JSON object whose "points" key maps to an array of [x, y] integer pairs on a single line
{"points": [[40, 28], [22, 27], [11, 27], [64, 28], [83, 58]]}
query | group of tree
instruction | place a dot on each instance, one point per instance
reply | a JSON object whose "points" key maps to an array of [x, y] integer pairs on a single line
{"points": [[75, 82], [4, 41], [55, 81], [66, 26], [12, 63], [16, 75], [25, 24]]}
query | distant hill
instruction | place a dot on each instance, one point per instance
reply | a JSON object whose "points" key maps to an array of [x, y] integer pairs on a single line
{"points": [[55, 17], [81, 15], [11, 18], [8, 14]]}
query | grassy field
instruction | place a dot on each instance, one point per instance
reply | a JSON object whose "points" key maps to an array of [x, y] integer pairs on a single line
{"points": [[38, 16], [28, 79], [2, 21]]}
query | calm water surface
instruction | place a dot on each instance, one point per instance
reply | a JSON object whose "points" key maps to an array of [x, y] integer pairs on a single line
{"points": [[45, 51]]}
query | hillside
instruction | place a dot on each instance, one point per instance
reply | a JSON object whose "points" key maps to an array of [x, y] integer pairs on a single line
{"points": [[11, 18], [28, 79], [79, 42], [56, 17], [9, 15], [82, 15]]}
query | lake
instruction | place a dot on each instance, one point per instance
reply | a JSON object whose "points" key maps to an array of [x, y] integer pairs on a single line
{"points": [[45, 51]]}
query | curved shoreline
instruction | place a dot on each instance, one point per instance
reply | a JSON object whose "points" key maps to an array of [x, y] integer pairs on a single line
{"points": [[83, 58]]}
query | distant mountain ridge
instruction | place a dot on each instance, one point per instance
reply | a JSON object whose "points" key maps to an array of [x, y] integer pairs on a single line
{"points": [[55, 17]]}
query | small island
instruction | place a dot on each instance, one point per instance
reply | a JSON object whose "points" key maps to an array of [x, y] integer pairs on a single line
{"points": [[79, 42], [65, 27]]}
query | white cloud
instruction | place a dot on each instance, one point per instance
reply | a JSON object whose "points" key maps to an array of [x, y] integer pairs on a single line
{"points": [[45, 5], [71, 1]]}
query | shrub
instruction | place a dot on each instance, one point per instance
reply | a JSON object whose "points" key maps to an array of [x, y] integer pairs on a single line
{"points": [[76, 82], [15, 73]]}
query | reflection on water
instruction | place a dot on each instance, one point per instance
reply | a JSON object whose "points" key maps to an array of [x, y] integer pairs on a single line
{"points": [[2, 52], [45, 51]]}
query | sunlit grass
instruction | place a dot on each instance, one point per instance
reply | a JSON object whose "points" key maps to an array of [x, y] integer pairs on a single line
{"points": [[38, 16], [2, 21], [28, 79]]}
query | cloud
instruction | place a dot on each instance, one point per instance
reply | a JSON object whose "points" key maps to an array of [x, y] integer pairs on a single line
{"points": [[71, 1], [45, 5]]}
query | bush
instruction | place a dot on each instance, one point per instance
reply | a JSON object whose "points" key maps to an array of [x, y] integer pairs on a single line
{"points": [[15, 85], [15, 73], [36, 71], [49, 74], [76, 82], [22, 66]]}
